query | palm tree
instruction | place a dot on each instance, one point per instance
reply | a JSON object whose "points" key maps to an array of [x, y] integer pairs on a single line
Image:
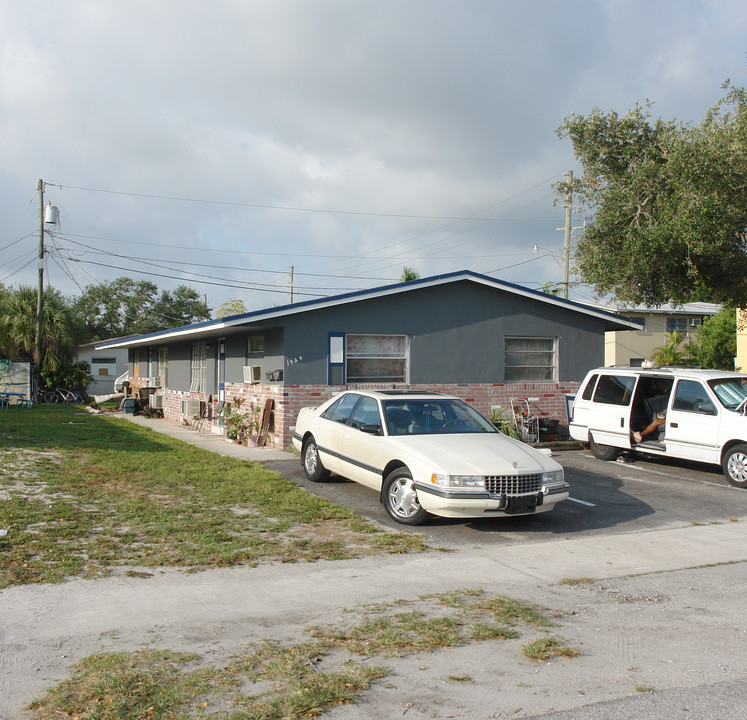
{"points": [[672, 353], [18, 327]]}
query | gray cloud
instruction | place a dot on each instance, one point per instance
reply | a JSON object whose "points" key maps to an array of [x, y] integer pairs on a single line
{"points": [[431, 108]]}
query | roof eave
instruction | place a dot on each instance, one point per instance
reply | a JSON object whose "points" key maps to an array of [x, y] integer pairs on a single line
{"points": [[611, 320]]}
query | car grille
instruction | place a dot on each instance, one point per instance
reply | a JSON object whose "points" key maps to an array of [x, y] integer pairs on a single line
{"points": [[513, 484]]}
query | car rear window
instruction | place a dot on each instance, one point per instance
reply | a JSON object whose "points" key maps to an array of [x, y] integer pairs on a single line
{"points": [[614, 389], [340, 410], [589, 389]]}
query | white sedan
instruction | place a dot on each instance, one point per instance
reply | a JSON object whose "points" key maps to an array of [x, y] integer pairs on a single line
{"points": [[426, 453]]}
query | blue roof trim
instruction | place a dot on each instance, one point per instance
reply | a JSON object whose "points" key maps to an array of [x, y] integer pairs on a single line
{"points": [[359, 294]]}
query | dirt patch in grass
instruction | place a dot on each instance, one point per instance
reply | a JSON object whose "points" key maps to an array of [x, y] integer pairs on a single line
{"points": [[274, 681]]}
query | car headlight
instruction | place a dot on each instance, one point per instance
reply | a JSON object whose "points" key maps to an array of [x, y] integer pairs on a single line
{"points": [[474, 482], [552, 480]]}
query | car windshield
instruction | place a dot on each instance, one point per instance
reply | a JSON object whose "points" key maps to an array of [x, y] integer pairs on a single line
{"points": [[730, 391], [433, 417]]}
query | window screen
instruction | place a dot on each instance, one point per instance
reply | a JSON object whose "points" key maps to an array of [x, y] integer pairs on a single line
{"points": [[376, 358], [198, 377], [527, 358]]}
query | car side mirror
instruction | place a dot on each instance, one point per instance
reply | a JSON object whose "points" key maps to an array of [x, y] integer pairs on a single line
{"points": [[706, 408], [371, 429]]}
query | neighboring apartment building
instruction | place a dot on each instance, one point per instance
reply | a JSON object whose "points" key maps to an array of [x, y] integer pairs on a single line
{"points": [[632, 347], [741, 360], [105, 366]]}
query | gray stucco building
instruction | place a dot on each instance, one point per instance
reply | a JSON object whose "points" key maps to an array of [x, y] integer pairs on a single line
{"points": [[462, 333]]}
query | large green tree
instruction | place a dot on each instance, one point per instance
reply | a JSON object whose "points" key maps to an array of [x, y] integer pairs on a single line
{"points": [[716, 344], [669, 203], [125, 307], [232, 306], [181, 306]]}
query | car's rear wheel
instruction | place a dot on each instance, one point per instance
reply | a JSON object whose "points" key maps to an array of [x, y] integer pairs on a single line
{"points": [[312, 464], [734, 465], [603, 452], [401, 498]]}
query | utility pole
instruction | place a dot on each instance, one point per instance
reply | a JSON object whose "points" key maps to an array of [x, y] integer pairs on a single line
{"points": [[567, 237], [292, 268], [39, 297]]}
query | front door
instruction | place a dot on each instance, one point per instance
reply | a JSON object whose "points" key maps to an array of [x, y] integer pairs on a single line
{"points": [[361, 452], [222, 370], [692, 424]]}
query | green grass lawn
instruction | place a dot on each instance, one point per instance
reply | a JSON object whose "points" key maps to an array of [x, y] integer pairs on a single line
{"points": [[82, 494]]}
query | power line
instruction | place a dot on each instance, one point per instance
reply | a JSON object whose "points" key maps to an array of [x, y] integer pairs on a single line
{"points": [[195, 275], [18, 269], [242, 286], [260, 206], [213, 251], [168, 264], [474, 216], [15, 242], [207, 265]]}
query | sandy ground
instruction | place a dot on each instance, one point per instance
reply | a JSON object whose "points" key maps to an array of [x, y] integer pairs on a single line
{"points": [[650, 620]]}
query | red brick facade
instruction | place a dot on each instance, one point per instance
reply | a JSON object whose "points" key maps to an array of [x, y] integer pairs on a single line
{"points": [[546, 400]]}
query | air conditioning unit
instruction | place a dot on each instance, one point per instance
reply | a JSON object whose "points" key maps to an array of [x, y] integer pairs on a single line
{"points": [[156, 401], [252, 374], [157, 381], [695, 322], [191, 407]]}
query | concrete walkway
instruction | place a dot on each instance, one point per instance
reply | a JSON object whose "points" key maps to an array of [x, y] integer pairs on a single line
{"points": [[206, 439]]}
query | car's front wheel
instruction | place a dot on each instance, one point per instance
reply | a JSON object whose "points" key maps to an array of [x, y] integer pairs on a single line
{"points": [[603, 452], [734, 465], [401, 498], [312, 464]]}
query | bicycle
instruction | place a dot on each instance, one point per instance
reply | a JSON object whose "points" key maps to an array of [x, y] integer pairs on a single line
{"points": [[61, 395]]}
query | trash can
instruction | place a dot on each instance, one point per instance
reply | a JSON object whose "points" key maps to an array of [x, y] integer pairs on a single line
{"points": [[548, 428], [129, 405]]}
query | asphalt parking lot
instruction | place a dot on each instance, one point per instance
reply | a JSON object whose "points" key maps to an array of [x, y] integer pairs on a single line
{"points": [[606, 497]]}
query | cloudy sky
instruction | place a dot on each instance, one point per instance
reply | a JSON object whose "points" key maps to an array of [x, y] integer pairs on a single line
{"points": [[220, 144]]}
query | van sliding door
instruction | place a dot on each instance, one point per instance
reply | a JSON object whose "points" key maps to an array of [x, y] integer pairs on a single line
{"points": [[610, 421]]}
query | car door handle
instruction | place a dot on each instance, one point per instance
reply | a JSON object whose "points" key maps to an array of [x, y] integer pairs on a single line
{"points": [[674, 425]]}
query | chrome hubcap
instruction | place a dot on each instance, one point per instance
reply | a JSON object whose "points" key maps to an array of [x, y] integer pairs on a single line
{"points": [[403, 499], [312, 458], [737, 467]]}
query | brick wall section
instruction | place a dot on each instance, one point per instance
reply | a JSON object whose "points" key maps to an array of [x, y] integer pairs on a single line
{"points": [[254, 396], [546, 400]]}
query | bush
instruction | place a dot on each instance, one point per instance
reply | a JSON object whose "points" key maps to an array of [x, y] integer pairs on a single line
{"points": [[73, 376]]}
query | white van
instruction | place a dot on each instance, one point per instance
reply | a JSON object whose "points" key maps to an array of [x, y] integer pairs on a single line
{"points": [[671, 412]]}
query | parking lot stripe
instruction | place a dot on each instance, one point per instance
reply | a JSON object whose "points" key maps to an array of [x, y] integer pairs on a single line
{"points": [[582, 502]]}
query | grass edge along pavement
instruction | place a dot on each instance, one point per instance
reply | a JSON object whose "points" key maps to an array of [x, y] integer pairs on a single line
{"points": [[83, 494], [270, 681]]}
